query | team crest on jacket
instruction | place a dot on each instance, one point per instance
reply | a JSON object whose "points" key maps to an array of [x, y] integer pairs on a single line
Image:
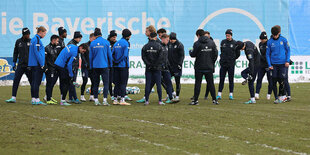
{"points": [[231, 45], [281, 42], [175, 46], [98, 43]]}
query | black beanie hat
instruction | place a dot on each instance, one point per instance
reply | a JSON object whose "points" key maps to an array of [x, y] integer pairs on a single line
{"points": [[61, 30], [153, 34], [25, 31], [263, 35], [173, 36], [239, 45], [126, 33], [77, 34], [112, 34], [97, 32], [229, 31]]}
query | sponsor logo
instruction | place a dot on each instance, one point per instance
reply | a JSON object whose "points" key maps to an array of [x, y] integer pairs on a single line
{"points": [[297, 67], [5, 68]]}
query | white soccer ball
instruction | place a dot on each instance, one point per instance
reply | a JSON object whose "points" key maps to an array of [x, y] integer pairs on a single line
{"points": [[88, 91], [135, 90]]}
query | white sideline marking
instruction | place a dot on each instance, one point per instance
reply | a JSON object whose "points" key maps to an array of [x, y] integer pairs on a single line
{"points": [[108, 132], [224, 137]]}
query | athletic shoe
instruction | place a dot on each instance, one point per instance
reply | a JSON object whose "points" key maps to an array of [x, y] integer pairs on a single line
{"points": [[161, 103], [83, 98], [91, 99], [168, 101], [268, 96], [105, 103], [176, 99], [146, 103], [250, 102], [244, 82], [77, 101], [215, 102], [206, 98], [70, 101], [141, 101], [256, 98], [218, 97], [174, 94], [97, 103], [11, 100], [40, 103], [288, 99], [127, 98], [51, 102], [33, 103], [277, 101], [45, 98], [64, 103], [231, 98], [115, 102], [112, 98], [194, 103], [124, 103], [54, 100]]}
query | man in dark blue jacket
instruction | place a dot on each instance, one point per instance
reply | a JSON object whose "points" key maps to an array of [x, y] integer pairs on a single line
{"points": [[51, 74], [205, 54], [152, 57], [121, 67], [249, 74], [37, 63], [64, 66], [264, 69], [227, 62], [21, 53], [100, 60], [278, 58]]}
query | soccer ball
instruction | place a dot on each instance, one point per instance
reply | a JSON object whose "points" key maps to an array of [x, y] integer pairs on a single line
{"points": [[88, 91], [128, 90], [135, 90], [153, 90]]}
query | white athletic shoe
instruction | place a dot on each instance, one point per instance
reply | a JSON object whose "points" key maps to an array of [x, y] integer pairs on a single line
{"points": [[268, 96], [83, 98]]}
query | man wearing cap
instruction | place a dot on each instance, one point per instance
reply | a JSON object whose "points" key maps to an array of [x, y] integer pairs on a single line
{"points": [[278, 58], [205, 54], [227, 62], [176, 58], [112, 39], [100, 60], [21, 53], [249, 74], [51, 74], [120, 54], [152, 58], [263, 69], [62, 32], [86, 71], [72, 92]]}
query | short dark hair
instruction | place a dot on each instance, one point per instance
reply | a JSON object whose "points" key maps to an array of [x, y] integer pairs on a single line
{"points": [[207, 32], [275, 30], [54, 36], [84, 46], [200, 32], [165, 35], [91, 35], [162, 30]]}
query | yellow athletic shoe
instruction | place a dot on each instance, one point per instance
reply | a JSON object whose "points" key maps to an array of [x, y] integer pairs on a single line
{"points": [[51, 102]]}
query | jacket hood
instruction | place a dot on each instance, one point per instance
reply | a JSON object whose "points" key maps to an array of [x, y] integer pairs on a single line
{"points": [[203, 39]]}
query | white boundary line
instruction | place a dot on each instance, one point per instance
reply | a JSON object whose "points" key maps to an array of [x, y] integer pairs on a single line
{"points": [[104, 131]]}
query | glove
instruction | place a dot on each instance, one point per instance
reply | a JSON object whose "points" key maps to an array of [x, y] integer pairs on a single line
{"points": [[250, 77], [44, 68], [14, 67], [71, 80], [179, 67]]}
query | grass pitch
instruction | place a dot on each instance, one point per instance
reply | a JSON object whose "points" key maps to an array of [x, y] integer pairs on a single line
{"points": [[228, 128]]}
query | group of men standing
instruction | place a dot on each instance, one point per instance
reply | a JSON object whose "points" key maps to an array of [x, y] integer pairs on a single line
{"points": [[108, 59]]}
